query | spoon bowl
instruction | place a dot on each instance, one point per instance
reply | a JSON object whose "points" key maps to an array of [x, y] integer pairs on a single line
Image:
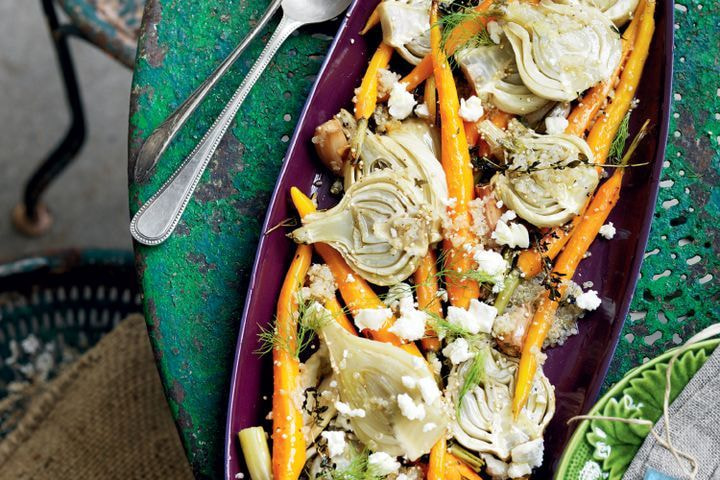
{"points": [[314, 11]]}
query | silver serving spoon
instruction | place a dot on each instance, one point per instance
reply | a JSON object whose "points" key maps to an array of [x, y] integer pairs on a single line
{"points": [[158, 141], [159, 216]]}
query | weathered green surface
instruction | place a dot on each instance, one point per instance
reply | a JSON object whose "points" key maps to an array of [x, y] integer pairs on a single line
{"points": [[679, 292], [194, 283]]}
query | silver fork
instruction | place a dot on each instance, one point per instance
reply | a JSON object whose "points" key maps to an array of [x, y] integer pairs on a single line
{"points": [[158, 217]]}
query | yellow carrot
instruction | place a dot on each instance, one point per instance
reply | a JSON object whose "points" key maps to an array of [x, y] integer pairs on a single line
{"points": [[430, 99], [455, 160], [366, 98], [426, 284], [357, 293], [288, 456]]}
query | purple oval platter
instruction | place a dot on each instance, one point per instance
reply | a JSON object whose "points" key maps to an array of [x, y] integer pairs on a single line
{"points": [[578, 368]]}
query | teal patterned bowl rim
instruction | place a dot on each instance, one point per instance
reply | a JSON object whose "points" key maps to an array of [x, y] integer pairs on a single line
{"points": [[580, 448]]}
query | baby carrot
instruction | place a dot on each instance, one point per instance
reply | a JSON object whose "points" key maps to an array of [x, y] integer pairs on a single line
{"points": [[367, 95], [436, 467], [288, 456], [587, 229], [455, 159], [372, 21]]}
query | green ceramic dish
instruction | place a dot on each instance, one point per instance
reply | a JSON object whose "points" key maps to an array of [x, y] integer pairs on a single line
{"points": [[602, 449]]}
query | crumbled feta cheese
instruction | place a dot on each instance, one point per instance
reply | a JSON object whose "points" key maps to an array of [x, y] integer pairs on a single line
{"points": [[588, 300], [490, 262], [349, 278], [335, 442], [409, 382], [525, 457], [471, 109], [555, 125], [386, 81], [410, 324], [429, 390], [422, 110], [410, 409], [495, 467], [513, 235], [458, 351], [608, 230], [508, 215], [479, 317], [401, 102], [494, 30], [372, 318], [383, 464], [345, 409], [429, 427], [321, 284]]}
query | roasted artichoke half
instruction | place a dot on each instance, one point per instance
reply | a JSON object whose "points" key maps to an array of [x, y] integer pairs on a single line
{"points": [[561, 50], [484, 422], [406, 26], [382, 227], [548, 177]]}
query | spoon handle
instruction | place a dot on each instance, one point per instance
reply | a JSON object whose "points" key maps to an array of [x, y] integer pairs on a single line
{"points": [[159, 216], [158, 141]]}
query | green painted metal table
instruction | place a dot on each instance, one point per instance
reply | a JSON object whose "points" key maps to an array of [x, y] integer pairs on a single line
{"points": [[194, 283]]}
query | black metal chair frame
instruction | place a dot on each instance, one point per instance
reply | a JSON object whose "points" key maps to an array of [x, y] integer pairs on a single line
{"points": [[31, 217]]}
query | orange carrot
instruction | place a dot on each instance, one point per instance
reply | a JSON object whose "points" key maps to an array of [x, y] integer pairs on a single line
{"points": [[603, 132], [456, 469], [586, 230], [419, 73], [367, 95], [455, 160], [288, 456], [436, 468], [589, 105], [357, 293], [339, 316], [427, 296], [372, 21]]}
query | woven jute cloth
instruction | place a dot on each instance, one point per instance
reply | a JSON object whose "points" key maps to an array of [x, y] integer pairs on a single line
{"points": [[105, 417]]}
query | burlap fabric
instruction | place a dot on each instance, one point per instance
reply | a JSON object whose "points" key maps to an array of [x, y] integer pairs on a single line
{"points": [[105, 417]]}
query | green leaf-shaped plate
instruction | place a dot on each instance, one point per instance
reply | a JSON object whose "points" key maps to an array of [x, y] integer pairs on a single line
{"points": [[602, 449]]}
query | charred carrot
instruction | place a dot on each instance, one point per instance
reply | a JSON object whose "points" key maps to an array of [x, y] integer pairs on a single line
{"points": [[455, 159], [356, 292], [288, 456], [436, 467], [587, 229], [426, 284]]}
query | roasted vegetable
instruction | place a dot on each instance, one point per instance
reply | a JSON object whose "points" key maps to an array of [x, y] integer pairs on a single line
{"points": [[561, 50], [485, 424], [619, 11], [370, 381], [382, 227], [548, 177]]}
